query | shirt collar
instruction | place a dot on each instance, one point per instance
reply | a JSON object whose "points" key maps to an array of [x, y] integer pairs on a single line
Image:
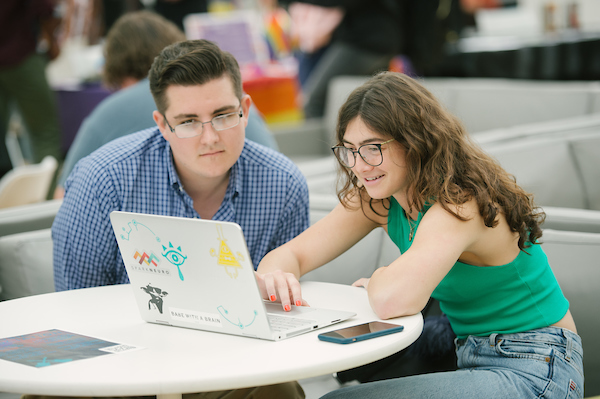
{"points": [[235, 181], [174, 180]]}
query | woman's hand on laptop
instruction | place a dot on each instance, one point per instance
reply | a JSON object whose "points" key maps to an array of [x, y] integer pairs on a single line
{"points": [[279, 286]]}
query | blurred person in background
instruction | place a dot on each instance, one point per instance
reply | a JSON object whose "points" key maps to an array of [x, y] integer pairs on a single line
{"points": [[341, 37], [27, 42], [176, 10]]}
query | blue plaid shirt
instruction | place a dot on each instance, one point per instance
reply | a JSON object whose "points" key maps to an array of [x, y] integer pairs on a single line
{"points": [[267, 196]]}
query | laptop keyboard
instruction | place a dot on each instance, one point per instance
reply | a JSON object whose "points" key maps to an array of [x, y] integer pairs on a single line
{"points": [[282, 323]]}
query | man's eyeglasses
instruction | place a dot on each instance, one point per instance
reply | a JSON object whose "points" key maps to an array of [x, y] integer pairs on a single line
{"points": [[370, 153], [195, 128]]}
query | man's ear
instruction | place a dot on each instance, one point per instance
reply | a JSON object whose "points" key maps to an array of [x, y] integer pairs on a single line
{"points": [[159, 119], [245, 103]]}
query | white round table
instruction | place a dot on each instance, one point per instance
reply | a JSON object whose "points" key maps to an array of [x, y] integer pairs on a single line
{"points": [[176, 360]]}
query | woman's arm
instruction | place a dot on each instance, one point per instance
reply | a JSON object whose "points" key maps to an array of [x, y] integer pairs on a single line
{"points": [[279, 271], [404, 287]]}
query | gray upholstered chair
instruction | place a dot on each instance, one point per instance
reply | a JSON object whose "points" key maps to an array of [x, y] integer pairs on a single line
{"points": [[26, 264], [575, 260], [17, 248]]}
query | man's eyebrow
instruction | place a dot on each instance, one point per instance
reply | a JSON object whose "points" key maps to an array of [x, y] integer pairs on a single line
{"points": [[185, 116], [224, 108], [216, 111]]}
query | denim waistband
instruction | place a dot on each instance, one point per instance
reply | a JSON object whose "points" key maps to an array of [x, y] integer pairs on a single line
{"points": [[549, 335]]}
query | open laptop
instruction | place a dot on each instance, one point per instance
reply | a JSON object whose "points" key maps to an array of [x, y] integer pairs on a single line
{"points": [[198, 274]]}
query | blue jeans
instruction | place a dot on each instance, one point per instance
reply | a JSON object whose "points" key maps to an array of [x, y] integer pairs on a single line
{"points": [[543, 363]]}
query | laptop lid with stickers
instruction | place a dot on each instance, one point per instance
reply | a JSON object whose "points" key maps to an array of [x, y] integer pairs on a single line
{"points": [[197, 273]]}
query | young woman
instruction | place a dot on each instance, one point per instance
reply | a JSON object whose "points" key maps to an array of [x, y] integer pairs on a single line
{"points": [[468, 235]]}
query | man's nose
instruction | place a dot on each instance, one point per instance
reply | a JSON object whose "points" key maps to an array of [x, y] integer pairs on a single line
{"points": [[209, 134]]}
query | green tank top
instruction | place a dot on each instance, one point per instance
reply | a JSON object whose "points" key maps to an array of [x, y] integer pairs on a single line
{"points": [[519, 296]]}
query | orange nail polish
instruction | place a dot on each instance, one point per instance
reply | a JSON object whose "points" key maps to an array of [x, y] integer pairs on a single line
{"points": [[287, 308], [298, 303], [273, 298]]}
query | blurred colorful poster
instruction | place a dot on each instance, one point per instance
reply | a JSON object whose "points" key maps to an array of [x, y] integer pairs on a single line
{"points": [[47, 348]]}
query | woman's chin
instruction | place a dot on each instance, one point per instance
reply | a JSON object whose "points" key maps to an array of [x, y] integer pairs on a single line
{"points": [[376, 194]]}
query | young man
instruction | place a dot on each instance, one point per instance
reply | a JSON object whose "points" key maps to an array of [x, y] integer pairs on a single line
{"points": [[131, 45], [195, 163]]}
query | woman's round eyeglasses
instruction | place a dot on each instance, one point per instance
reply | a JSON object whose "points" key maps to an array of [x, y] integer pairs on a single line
{"points": [[370, 153], [191, 128]]}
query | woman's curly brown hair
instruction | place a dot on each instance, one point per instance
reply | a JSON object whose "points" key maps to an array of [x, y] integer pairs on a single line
{"points": [[442, 161]]}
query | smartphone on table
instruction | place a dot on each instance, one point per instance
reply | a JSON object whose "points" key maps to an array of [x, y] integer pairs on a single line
{"points": [[360, 332]]}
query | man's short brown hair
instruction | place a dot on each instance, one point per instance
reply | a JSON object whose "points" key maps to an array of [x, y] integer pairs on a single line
{"points": [[190, 63]]}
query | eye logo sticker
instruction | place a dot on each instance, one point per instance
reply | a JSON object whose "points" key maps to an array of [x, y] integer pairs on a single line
{"points": [[175, 257], [226, 257]]}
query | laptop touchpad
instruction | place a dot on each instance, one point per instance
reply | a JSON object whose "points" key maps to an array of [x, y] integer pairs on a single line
{"points": [[276, 308]]}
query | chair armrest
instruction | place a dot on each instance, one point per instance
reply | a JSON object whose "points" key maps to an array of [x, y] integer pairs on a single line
{"points": [[572, 219], [24, 218]]}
